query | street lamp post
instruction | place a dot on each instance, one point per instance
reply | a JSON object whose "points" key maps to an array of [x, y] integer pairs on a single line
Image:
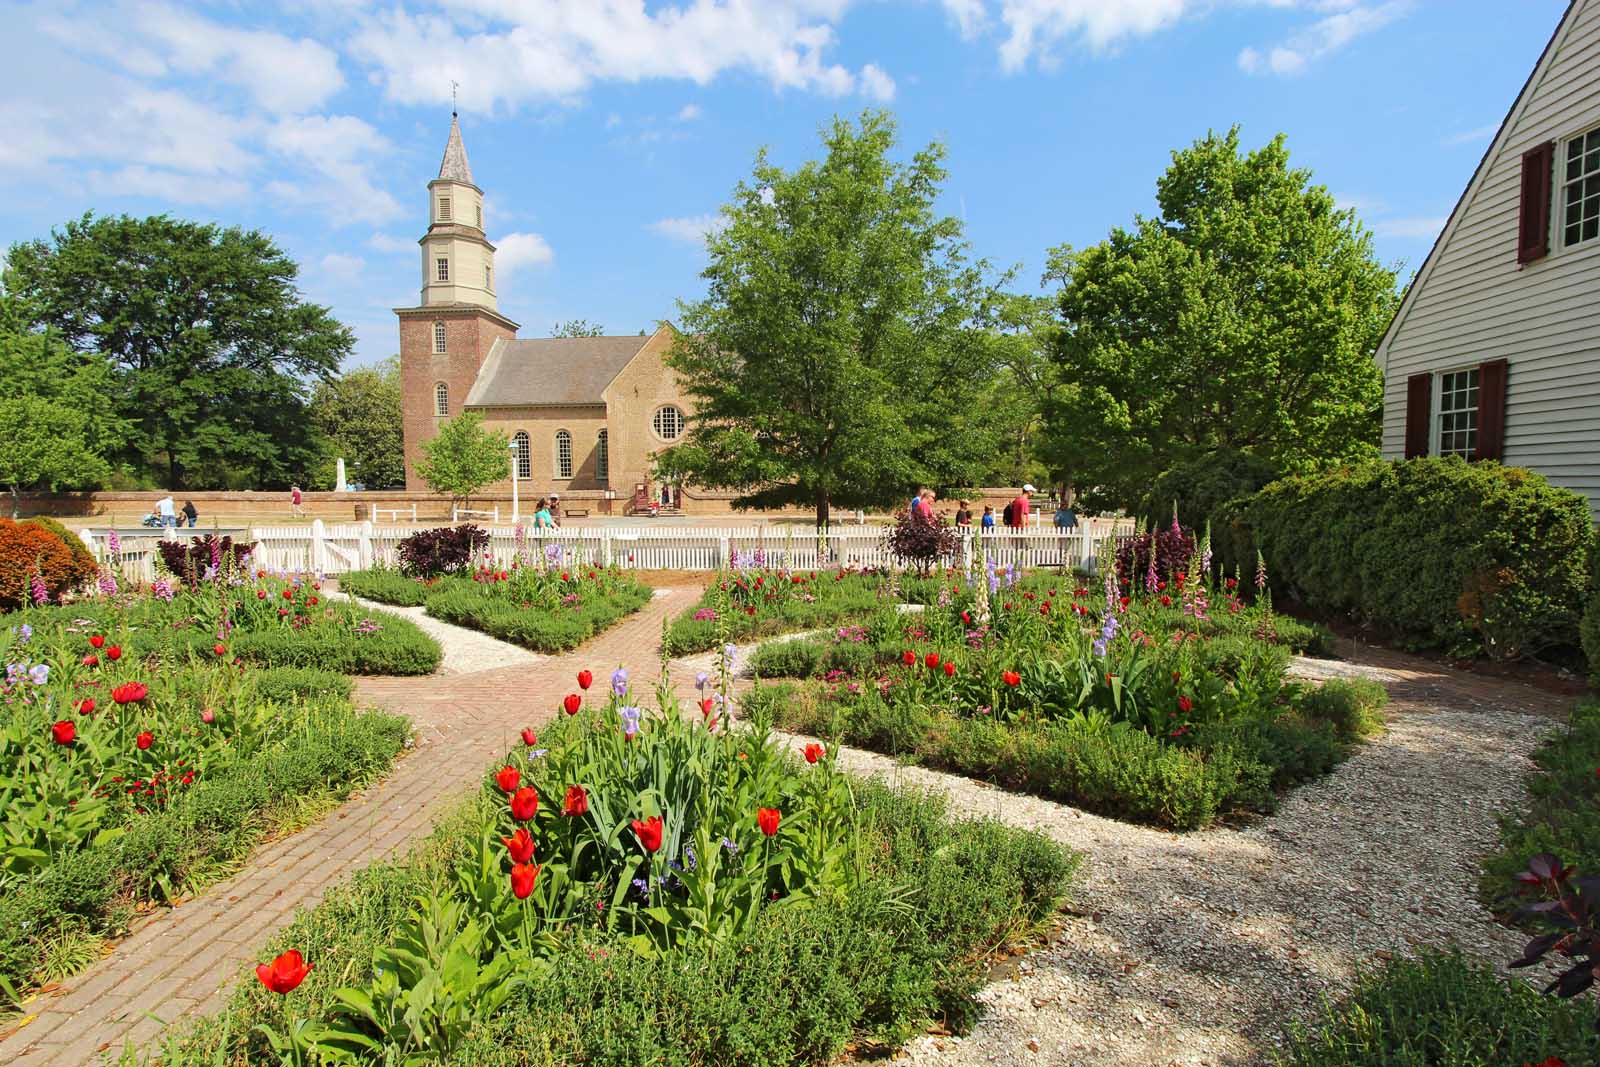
{"points": [[512, 445]]}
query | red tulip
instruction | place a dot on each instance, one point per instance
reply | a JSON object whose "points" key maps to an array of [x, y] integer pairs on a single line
{"points": [[577, 802], [1126, 601], [523, 876], [91, 660], [767, 819], [529, 738], [283, 613], [1166, 601], [524, 803], [1011, 678], [705, 707], [98, 641], [208, 716], [144, 740], [814, 752], [1233, 583], [966, 617], [949, 669], [86, 706], [220, 649], [288, 594], [648, 831], [508, 778], [130, 692], [585, 679], [931, 661], [520, 845], [63, 732], [1185, 704], [909, 658], [114, 653], [572, 703], [261, 594], [284, 973]]}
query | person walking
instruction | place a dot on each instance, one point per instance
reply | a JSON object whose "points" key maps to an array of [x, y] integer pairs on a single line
{"points": [[555, 510], [541, 515], [191, 513], [168, 514], [1066, 517], [1019, 508], [963, 514], [916, 500], [295, 501], [924, 507]]}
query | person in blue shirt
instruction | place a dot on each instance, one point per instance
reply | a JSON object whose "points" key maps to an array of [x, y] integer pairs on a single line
{"points": [[988, 517]]}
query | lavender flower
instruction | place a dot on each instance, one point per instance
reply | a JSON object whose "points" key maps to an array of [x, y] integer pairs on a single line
{"points": [[733, 849], [41, 595], [107, 582], [619, 682], [14, 673], [700, 680], [40, 673], [23, 632], [630, 720], [161, 587], [1107, 632], [536, 753], [730, 655], [689, 858], [759, 557], [553, 553]]}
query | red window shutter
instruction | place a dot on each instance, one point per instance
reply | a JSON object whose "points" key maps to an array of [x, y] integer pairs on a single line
{"points": [[1419, 414], [1533, 238], [1491, 410]]}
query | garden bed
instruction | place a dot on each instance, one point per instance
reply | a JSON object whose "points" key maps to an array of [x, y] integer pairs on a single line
{"points": [[546, 610], [644, 886], [744, 604], [135, 771]]}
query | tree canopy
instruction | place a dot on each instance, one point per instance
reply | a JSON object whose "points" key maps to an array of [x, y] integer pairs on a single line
{"points": [[359, 415], [210, 346], [836, 357], [1244, 317], [578, 328], [464, 457]]}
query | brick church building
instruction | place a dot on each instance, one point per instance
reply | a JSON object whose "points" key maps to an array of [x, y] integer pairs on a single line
{"points": [[585, 414]]}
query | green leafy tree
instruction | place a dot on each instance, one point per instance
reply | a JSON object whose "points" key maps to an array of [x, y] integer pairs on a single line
{"points": [[359, 414], [464, 457], [836, 357], [1243, 317], [56, 423], [578, 328], [211, 347]]}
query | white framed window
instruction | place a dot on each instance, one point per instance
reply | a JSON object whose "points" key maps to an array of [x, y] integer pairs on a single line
{"points": [[1455, 413], [444, 209], [563, 454], [523, 454], [441, 400], [443, 268], [1578, 189], [602, 456], [668, 423], [438, 337]]}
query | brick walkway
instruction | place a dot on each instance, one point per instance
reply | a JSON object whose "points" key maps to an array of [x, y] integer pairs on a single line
{"points": [[183, 960]]}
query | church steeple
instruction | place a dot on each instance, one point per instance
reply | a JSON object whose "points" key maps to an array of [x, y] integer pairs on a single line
{"points": [[457, 259]]}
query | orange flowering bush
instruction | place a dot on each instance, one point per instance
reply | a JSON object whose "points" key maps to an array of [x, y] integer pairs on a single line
{"points": [[27, 550]]}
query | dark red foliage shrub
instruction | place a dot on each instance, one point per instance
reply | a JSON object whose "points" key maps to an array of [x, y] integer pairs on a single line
{"points": [[26, 550], [191, 559], [440, 551], [1570, 910], [916, 542], [1173, 547]]}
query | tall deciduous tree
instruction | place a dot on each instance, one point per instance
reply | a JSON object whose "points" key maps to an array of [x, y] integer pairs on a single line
{"points": [[464, 457], [1243, 317], [211, 346], [359, 413], [578, 328], [835, 358]]}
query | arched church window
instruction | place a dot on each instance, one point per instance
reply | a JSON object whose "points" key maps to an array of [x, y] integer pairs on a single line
{"points": [[668, 423], [441, 400], [602, 456], [563, 454], [519, 441], [438, 337]]}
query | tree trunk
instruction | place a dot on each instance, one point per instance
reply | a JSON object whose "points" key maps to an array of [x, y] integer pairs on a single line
{"points": [[822, 508], [16, 504]]}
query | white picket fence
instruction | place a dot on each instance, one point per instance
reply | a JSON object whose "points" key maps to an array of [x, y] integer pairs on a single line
{"points": [[322, 548]]}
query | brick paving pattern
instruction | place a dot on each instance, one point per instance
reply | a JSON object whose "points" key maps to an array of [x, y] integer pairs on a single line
{"points": [[183, 960]]}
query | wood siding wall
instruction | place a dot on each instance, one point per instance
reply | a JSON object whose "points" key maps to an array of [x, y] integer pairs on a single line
{"points": [[1475, 303]]}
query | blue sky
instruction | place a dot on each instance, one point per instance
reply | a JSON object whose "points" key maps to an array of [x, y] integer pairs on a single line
{"points": [[606, 133]]}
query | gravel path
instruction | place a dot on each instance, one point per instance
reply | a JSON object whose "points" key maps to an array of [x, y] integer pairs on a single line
{"points": [[465, 651], [1199, 948]]}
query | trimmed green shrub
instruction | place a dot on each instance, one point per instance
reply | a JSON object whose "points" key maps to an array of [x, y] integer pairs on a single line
{"points": [[1442, 1010], [833, 601], [1564, 818], [464, 603], [1200, 486], [385, 585], [1352, 706], [1442, 553], [1589, 629], [287, 684], [399, 646]]}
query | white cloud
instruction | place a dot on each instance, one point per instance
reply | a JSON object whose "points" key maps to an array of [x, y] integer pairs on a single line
{"points": [[331, 158], [1344, 21], [1474, 136], [689, 112], [345, 269], [690, 229], [876, 83], [516, 250], [968, 15], [507, 53], [1419, 226], [1035, 27], [166, 185], [384, 242]]}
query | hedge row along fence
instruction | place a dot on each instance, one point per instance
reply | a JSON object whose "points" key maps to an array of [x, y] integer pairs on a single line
{"points": [[1437, 552]]}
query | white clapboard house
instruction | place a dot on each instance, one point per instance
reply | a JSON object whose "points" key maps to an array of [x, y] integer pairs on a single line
{"points": [[1495, 351]]}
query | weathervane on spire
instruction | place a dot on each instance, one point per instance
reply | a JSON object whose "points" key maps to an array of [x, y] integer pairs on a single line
{"points": [[453, 86]]}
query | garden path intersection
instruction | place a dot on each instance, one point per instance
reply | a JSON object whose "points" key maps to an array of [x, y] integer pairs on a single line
{"points": [[1178, 949]]}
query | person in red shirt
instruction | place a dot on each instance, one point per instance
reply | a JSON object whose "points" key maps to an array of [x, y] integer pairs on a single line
{"points": [[1019, 507], [924, 508]]}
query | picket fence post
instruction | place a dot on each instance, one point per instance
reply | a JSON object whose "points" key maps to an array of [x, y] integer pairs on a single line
{"points": [[605, 548], [364, 545], [319, 559]]}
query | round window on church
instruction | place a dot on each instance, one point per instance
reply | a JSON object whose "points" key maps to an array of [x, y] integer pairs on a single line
{"points": [[668, 423]]}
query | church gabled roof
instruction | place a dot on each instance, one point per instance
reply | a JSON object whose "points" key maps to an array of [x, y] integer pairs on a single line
{"points": [[560, 371], [455, 167]]}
